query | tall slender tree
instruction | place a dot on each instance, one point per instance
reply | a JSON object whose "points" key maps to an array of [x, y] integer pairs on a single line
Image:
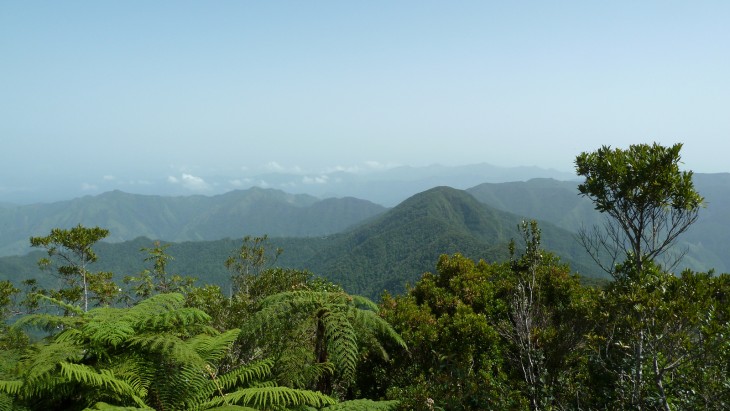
{"points": [[71, 251], [649, 201]]}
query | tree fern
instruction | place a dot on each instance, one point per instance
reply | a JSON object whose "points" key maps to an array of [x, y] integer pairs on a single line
{"points": [[104, 379], [334, 324], [157, 354]]}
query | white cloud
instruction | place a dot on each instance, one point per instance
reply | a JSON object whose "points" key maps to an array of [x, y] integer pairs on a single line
{"points": [[88, 187], [190, 182], [367, 166], [194, 183], [108, 177], [323, 179], [346, 169], [275, 167], [239, 182], [376, 165]]}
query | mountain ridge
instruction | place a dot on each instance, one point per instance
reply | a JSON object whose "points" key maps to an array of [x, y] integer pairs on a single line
{"points": [[384, 253], [255, 211]]}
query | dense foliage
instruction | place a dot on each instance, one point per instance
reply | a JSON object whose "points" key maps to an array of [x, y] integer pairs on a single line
{"points": [[520, 333], [523, 333]]}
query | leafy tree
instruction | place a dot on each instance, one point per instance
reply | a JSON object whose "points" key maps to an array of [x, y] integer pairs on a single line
{"points": [[8, 292], [526, 318], [648, 199], [455, 358], [650, 333], [156, 280], [507, 335], [72, 252], [249, 260], [661, 342], [545, 320]]}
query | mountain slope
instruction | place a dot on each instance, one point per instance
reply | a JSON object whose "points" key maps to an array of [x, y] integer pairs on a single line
{"points": [[559, 202], [254, 211], [384, 253], [400, 245]]}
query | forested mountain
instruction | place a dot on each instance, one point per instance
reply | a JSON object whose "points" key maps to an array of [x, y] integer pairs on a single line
{"points": [[403, 243], [237, 213], [385, 253], [393, 247], [559, 202]]}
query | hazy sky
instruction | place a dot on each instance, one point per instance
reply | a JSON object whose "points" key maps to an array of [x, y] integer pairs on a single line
{"points": [[105, 90]]}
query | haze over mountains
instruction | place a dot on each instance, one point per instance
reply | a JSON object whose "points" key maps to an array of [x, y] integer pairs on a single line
{"points": [[382, 252], [378, 183], [237, 213], [355, 242]]}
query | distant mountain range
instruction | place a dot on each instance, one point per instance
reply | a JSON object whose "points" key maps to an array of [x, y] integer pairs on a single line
{"points": [[362, 245], [385, 252], [387, 186], [254, 211], [707, 241]]}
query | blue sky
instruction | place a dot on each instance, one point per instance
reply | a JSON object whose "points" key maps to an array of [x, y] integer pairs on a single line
{"points": [[94, 91]]}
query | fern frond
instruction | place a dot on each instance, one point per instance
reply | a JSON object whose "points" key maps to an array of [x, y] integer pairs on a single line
{"points": [[266, 397], [297, 368], [6, 403], [245, 374], [264, 384], [103, 379], [70, 335], [138, 371], [341, 343], [48, 322], [363, 405], [108, 331], [168, 345], [367, 319], [11, 387], [43, 360], [108, 407], [69, 308], [231, 408], [179, 319], [276, 313], [287, 296], [364, 303], [213, 348], [159, 303]]}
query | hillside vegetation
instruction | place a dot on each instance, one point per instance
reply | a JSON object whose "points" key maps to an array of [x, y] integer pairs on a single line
{"points": [[492, 316], [385, 253], [558, 202], [232, 215]]}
